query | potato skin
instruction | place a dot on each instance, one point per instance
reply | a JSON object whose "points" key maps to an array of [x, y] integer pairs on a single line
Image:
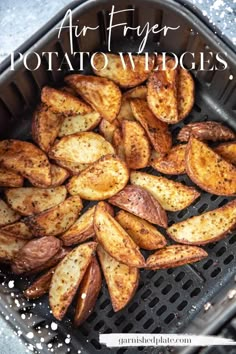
{"points": [[40, 286], [10, 179], [227, 151], [89, 289]]}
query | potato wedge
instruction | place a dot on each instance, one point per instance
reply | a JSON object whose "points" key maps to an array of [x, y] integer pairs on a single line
{"points": [[73, 168], [26, 159], [101, 180], [162, 93], [208, 170], [89, 289], [185, 93], [173, 196], [7, 215], [56, 220], [118, 143], [102, 94], [18, 229], [86, 147], [79, 123], [140, 202], [67, 277], [173, 163], [123, 74], [227, 151], [136, 145], [58, 176], [212, 131], [10, 178], [125, 109], [156, 130], [205, 228], [122, 280], [31, 200], [9, 247], [106, 129], [114, 239], [175, 256], [63, 102], [40, 286], [35, 253], [144, 234], [45, 127]]}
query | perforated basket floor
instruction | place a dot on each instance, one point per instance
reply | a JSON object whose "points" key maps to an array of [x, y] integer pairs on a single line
{"points": [[167, 301]]}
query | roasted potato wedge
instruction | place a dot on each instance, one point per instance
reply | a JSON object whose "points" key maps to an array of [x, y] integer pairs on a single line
{"points": [[89, 289], [63, 102], [173, 163], [18, 230], [136, 145], [7, 215], [121, 71], [73, 168], [212, 131], [156, 130], [102, 94], [208, 170], [31, 200], [162, 93], [175, 256], [26, 159], [81, 148], [173, 196], [118, 143], [9, 247], [122, 280], [101, 180], [79, 123], [40, 286], [10, 178], [205, 228], [125, 109], [45, 127], [185, 93], [140, 202], [227, 151], [35, 253], [56, 220], [114, 239], [106, 129], [67, 277], [144, 234], [58, 176]]}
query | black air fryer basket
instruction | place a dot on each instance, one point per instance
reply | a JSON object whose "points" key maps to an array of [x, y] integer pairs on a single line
{"points": [[195, 298]]}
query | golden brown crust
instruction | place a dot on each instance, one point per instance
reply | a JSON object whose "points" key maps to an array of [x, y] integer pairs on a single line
{"points": [[40, 286], [10, 179], [185, 93], [227, 151], [173, 163]]}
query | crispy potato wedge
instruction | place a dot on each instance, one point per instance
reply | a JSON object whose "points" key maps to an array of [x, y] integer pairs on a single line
{"points": [[79, 123], [212, 131], [173, 163], [102, 94], [89, 289], [26, 159], [175, 256], [73, 168], [136, 145], [172, 196], [9, 247], [125, 109], [227, 151], [40, 286], [58, 176], [63, 102], [122, 280], [106, 129], [84, 148], [31, 200], [18, 229], [114, 239], [45, 127], [67, 277], [185, 93], [208, 170], [162, 93], [122, 72], [10, 178], [156, 130], [140, 202], [101, 180], [144, 234], [7, 215], [205, 228], [56, 220], [35, 253], [118, 143]]}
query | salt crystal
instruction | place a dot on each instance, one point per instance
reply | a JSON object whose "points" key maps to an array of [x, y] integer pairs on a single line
{"points": [[11, 284], [83, 296], [30, 335]]}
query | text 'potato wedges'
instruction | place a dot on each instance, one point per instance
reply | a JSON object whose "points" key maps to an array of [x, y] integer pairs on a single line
{"points": [[173, 163]]}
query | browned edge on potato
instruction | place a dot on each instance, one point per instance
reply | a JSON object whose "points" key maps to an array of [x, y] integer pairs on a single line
{"points": [[172, 163], [40, 286]]}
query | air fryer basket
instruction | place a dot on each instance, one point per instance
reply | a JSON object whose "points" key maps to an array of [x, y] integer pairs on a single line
{"points": [[167, 301]]}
